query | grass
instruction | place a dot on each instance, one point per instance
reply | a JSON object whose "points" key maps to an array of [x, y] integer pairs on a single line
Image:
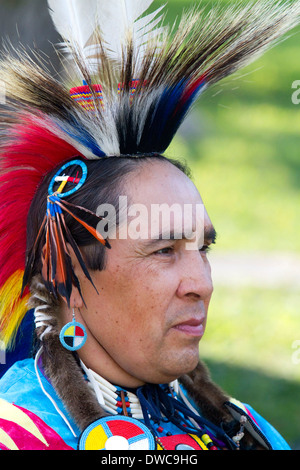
{"points": [[255, 327], [242, 143]]}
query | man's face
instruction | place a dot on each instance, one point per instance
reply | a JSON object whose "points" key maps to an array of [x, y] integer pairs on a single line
{"points": [[146, 323]]}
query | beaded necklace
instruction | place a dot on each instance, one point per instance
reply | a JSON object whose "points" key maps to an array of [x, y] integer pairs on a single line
{"points": [[117, 401]]}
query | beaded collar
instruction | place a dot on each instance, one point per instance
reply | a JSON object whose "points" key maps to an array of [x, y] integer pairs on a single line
{"points": [[115, 400], [155, 405]]}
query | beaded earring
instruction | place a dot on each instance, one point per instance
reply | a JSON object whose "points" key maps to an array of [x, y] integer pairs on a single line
{"points": [[73, 335]]}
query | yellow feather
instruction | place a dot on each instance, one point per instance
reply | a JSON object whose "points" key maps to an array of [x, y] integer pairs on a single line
{"points": [[12, 308]]}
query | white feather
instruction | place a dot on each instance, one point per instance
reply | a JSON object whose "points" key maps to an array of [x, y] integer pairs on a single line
{"points": [[120, 19], [75, 21], [117, 20]]}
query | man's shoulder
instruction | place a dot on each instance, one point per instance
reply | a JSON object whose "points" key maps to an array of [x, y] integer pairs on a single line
{"points": [[20, 429], [16, 380], [27, 422], [257, 426]]}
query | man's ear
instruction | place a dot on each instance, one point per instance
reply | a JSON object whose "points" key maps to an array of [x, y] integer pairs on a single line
{"points": [[75, 298]]}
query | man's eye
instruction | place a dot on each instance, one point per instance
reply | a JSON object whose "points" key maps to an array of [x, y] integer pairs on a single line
{"points": [[165, 251]]}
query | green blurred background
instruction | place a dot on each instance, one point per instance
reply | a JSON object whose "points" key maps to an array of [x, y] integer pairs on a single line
{"points": [[242, 143]]}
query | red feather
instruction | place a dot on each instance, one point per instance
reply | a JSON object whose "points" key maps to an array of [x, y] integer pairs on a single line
{"points": [[26, 157]]}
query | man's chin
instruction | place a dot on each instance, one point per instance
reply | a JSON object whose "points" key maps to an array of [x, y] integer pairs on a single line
{"points": [[185, 367]]}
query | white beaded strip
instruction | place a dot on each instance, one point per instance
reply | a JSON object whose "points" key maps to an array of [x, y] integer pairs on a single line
{"points": [[107, 396]]}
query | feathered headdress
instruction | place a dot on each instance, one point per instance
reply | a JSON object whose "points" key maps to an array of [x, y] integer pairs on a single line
{"points": [[133, 80]]}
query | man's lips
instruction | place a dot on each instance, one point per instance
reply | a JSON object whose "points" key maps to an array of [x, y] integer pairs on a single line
{"points": [[192, 327]]}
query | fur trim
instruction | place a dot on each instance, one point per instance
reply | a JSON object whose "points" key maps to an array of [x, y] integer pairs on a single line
{"points": [[61, 366], [209, 397]]}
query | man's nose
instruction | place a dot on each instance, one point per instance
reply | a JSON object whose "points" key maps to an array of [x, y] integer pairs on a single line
{"points": [[195, 276]]}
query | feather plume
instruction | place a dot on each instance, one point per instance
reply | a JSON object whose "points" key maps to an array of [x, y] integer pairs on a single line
{"points": [[171, 66], [175, 65]]}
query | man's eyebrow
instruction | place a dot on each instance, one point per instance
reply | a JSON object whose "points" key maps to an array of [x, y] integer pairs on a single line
{"points": [[210, 236]]}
